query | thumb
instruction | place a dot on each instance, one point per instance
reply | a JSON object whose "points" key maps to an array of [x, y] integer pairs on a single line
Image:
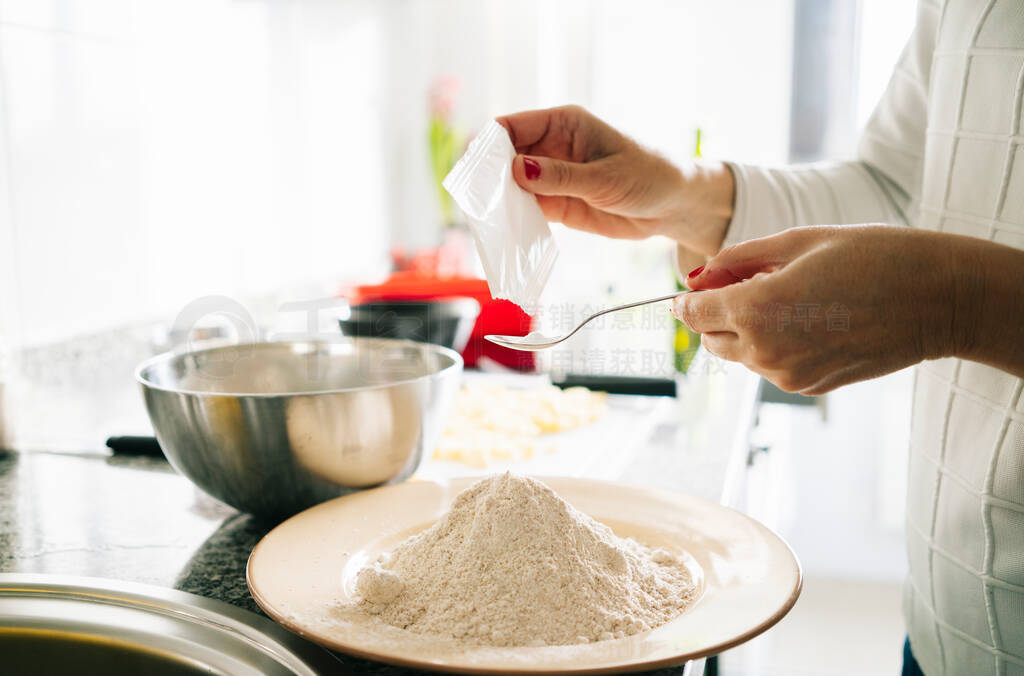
{"points": [[742, 261], [548, 176]]}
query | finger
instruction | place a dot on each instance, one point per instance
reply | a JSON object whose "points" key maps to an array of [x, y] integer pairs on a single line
{"points": [[713, 280], [560, 132], [722, 344], [528, 127], [781, 379], [854, 373], [744, 260], [708, 311], [566, 133], [731, 347], [575, 213], [548, 176]]}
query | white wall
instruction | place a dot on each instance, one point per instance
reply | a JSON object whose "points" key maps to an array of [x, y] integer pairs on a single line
{"points": [[158, 151]]}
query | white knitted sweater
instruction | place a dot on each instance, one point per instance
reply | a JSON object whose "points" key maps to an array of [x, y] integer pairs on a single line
{"points": [[943, 151]]}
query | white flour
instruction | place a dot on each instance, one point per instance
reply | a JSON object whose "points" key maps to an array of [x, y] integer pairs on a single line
{"points": [[512, 564]]}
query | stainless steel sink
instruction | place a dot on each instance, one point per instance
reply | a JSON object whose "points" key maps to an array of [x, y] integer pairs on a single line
{"points": [[29, 651], [60, 624]]}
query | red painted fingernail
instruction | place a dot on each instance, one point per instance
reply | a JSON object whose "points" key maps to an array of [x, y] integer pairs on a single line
{"points": [[695, 272], [531, 168]]}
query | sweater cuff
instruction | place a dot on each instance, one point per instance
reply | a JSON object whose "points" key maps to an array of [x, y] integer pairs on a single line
{"points": [[769, 200], [752, 187]]}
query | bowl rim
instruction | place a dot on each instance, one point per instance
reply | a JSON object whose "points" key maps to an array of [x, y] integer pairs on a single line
{"points": [[455, 367]]}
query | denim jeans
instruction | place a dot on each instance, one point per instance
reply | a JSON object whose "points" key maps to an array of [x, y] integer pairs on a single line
{"points": [[910, 665]]}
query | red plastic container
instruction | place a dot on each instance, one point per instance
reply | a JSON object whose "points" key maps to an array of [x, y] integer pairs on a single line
{"points": [[496, 316]]}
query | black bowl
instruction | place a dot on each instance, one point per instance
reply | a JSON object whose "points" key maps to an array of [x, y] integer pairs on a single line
{"points": [[446, 322]]}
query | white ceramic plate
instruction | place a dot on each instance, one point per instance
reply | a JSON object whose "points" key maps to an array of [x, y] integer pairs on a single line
{"points": [[301, 570]]}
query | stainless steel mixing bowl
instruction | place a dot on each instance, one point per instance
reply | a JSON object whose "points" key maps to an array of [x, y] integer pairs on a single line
{"points": [[273, 428]]}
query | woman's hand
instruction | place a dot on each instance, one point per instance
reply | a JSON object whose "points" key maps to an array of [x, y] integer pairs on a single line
{"points": [[815, 308], [589, 176]]}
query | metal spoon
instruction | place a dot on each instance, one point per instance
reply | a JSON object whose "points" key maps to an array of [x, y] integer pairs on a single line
{"points": [[538, 341]]}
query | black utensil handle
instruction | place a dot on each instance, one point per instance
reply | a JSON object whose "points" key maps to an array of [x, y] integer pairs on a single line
{"points": [[652, 387], [135, 445]]}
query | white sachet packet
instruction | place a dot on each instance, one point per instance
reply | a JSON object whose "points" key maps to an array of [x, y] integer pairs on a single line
{"points": [[512, 236]]}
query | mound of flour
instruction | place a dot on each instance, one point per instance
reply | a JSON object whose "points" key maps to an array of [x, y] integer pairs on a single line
{"points": [[512, 564]]}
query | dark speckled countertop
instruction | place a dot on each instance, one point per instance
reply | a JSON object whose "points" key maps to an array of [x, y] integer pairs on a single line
{"points": [[136, 519]]}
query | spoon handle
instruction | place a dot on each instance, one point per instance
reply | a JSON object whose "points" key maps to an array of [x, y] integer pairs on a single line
{"points": [[617, 308], [637, 304], [516, 343]]}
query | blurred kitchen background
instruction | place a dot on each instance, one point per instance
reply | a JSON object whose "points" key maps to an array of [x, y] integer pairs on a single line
{"points": [[278, 152]]}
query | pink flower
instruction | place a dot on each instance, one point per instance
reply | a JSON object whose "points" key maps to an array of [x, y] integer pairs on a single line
{"points": [[444, 90]]}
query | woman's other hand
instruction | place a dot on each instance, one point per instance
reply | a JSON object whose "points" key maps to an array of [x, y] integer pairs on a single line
{"points": [[589, 176], [815, 308]]}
